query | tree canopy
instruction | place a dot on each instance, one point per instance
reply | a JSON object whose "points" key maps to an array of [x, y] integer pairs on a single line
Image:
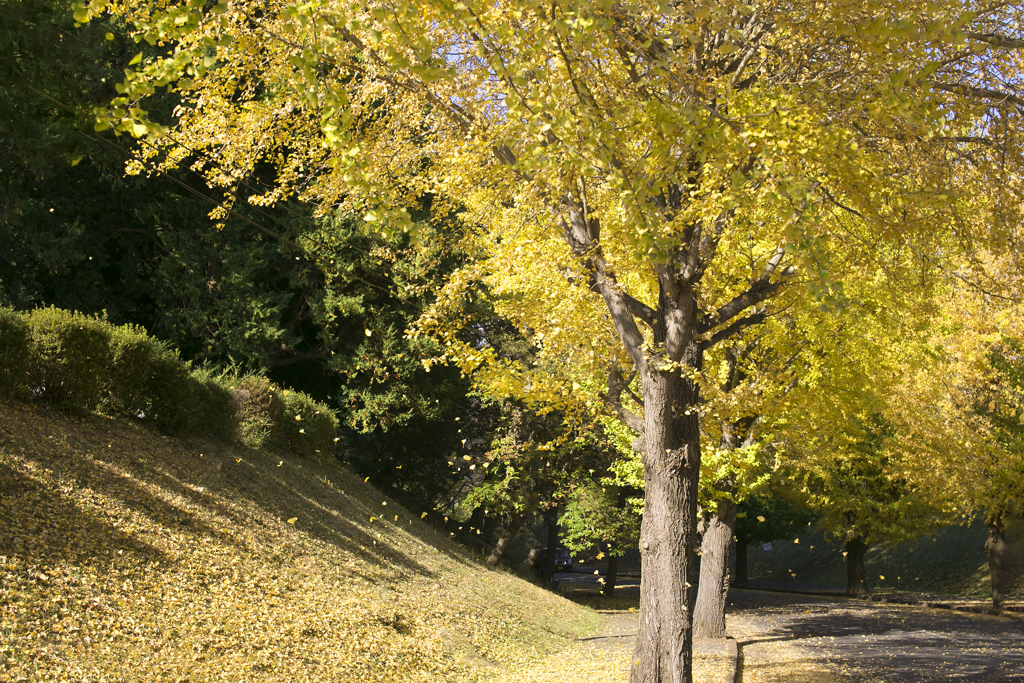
{"points": [[636, 182]]}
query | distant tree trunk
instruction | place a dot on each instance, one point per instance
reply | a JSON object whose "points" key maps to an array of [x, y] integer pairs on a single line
{"points": [[995, 548], [490, 526], [608, 589], [515, 522], [547, 569], [856, 583], [713, 588], [742, 542]]}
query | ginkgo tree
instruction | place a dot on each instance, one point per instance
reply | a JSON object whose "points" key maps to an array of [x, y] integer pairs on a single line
{"points": [[638, 181], [965, 415]]}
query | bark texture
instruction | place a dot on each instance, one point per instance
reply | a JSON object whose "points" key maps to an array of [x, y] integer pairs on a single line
{"points": [[713, 588], [995, 548], [514, 524], [668, 532], [856, 578]]}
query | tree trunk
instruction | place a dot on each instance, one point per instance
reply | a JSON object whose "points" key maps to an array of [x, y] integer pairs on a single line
{"points": [[547, 569], [515, 522], [608, 588], [668, 532], [741, 560], [995, 548], [856, 583], [713, 588], [490, 526]]}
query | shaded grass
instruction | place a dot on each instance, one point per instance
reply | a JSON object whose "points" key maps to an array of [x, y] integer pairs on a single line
{"points": [[129, 556]]}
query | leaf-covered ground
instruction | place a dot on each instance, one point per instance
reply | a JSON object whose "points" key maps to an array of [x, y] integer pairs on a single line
{"points": [[127, 556]]}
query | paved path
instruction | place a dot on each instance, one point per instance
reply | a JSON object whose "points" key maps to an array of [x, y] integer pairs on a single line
{"points": [[878, 642]]}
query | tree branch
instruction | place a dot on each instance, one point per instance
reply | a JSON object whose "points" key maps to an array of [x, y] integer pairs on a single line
{"points": [[759, 290], [616, 385], [641, 310], [997, 41], [735, 327], [973, 91]]}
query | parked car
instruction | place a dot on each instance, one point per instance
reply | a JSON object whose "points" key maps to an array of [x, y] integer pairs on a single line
{"points": [[563, 561]]}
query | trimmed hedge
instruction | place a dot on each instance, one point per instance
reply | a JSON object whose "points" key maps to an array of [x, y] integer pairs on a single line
{"points": [[69, 354], [79, 362], [307, 427], [13, 353]]}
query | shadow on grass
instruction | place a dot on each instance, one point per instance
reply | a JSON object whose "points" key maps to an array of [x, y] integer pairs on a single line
{"points": [[224, 491]]}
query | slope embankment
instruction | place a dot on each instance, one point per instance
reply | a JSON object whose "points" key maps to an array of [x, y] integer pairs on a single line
{"points": [[129, 556]]}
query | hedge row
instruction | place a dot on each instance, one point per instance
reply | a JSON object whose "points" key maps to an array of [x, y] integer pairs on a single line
{"points": [[83, 363]]}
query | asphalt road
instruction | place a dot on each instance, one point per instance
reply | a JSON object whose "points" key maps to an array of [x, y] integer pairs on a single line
{"points": [[879, 642]]}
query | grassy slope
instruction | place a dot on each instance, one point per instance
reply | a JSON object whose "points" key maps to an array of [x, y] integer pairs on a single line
{"points": [[948, 561], [129, 556]]}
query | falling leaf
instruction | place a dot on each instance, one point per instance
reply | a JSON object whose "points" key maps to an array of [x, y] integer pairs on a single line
{"points": [[760, 518], [881, 578], [280, 462], [384, 503], [366, 480], [302, 431], [298, 418], [293, 520], [238, 460], [368, 332], [423, 515], [796, 540]]}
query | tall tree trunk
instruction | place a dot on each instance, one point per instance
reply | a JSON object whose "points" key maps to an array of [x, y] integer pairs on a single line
{"points": [[741, 559], [856, 583], [713, 588], [668, 531], [514, 524], [547, 569], [995, 548]]}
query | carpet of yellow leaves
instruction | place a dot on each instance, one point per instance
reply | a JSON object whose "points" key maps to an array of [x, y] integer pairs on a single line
{"points": [[127, 556]]}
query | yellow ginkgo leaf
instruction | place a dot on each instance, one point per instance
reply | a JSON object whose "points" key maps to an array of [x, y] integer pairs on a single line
{"points": [[423, 515], [368, 332], [293, 520], [760, 518], [302, 431], [366, 480], [796, 540], [298, 418], [882, 578], [280, 462], [396, 518], [384, 503], [238, 460]]}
